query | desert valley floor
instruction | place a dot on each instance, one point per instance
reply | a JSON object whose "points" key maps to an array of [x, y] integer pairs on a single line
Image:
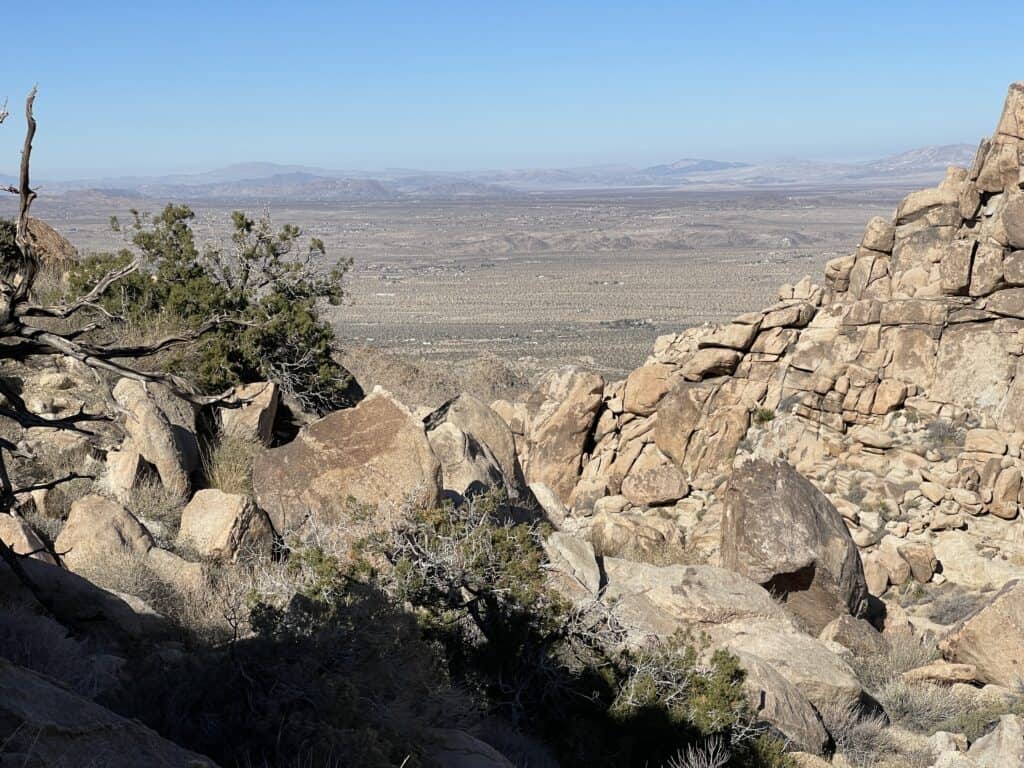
{"points": [[556, 277]]}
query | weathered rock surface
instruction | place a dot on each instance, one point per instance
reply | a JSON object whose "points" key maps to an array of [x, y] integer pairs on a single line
{"points": [[783, 533], [992, 640], [151, 434], [19, 536], [468, 468], [98, 530], [44, 724], [254, 418], [476, 418], [227, 525], [560, 413], [374, 454]]}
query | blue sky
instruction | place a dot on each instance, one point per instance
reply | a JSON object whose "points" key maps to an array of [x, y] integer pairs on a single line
{"points": [[145, 87]]}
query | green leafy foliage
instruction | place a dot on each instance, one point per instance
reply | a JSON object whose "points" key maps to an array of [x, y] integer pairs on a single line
{"points": [[269, 282]]}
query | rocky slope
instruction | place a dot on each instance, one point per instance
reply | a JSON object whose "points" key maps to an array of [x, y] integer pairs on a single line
{"points": [[802, 487]]}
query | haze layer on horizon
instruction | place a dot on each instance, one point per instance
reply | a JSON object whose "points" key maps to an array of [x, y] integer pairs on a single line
{"points": [[133, 89]]}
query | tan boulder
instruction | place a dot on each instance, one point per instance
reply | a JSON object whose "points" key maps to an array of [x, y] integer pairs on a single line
{"points": [[776, 701], [375, 454], [152, 435], [561, 411], [645, 387], [218, 524], [96, 531], [1005, 493], [575, 558], [1013, 219], [876, 575], [653, 480], [942, 672], [856, 635], [783, 533], [468, 468], [644, 538], [1002, 747], [474, 417], [879, 235], [22, 540], [987, 269], [710, 362], [921, 558], [737, 336], [254, 418], [1013, 268], [992, 639]]}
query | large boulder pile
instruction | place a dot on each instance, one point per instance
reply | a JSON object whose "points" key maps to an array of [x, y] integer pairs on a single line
{"points": [[894, 387]]}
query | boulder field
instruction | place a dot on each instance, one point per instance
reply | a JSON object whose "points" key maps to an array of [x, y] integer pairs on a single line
{"points": [[775, 485]]}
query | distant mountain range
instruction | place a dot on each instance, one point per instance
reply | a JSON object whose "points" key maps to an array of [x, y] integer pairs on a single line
{"points": [[270, 181]]}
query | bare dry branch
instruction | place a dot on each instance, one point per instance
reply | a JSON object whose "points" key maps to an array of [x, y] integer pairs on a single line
{"points": [[88, 300]]}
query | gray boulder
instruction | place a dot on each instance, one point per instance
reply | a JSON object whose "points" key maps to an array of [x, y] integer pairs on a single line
{"points": [[783, 533]]}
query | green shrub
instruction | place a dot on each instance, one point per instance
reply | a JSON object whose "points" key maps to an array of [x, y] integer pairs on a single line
{"points": [[763, 415], [269, 283], [478, 582]]}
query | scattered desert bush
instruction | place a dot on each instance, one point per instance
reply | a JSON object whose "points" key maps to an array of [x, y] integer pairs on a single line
{"points": [[862, 737], [477, 581], [227, 463], [942, 435], [266, 287], [903, 652], [954, 604], [763, 416], [920, 706], [981, 714]]}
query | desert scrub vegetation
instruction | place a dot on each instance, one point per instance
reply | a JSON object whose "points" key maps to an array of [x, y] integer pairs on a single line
{"points": [[475, 578], [157, 507], [862, 737], [269, 284], [763, 416], [227, 463]]}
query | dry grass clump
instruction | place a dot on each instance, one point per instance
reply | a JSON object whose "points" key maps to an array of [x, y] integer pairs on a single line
{"points": [[206, 611], [862, 737], [159, 508], [903, 652], [921, 706], [227, 464]]}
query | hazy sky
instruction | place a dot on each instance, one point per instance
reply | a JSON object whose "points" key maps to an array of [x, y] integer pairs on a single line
{"points": [[144, 87]]}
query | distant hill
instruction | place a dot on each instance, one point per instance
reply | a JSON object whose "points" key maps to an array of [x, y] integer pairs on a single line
{"points": [[300, 183], [690, 166], [923, 160]]}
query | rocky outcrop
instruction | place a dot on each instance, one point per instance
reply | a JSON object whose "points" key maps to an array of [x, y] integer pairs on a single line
{"points": [[557, 421], [152, 436], [44, 724], [254, 412], [992, 640], [783, 533], [375, 454], [895, 387], [225, 525]]}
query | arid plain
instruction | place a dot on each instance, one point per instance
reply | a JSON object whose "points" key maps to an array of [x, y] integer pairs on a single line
{"points": [[534, 280]]}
